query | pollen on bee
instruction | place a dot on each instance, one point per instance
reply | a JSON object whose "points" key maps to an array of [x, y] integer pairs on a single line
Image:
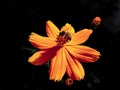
{"points": [[63, 37]]}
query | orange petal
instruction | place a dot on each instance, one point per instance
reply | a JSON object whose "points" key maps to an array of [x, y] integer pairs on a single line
{"points": [[52, 30], [80, 37], [68, 28], [58, 66], [42, 56], [41, 42], [80, 67], [74, 68], [83, 53]]}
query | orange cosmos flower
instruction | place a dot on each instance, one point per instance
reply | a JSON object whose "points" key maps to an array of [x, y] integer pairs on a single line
{"points": [[62, 48]]}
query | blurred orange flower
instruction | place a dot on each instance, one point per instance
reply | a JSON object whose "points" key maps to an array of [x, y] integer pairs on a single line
{"points": [[62, 48]]}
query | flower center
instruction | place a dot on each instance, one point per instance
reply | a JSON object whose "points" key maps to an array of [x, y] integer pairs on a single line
{"points": [[63, 37]]}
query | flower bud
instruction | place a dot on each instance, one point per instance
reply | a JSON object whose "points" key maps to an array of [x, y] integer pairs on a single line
{"points": [[96, 21]]}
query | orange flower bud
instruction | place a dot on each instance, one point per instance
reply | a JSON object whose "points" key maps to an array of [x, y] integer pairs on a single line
{"points": [[96, 21], [69, 82]]}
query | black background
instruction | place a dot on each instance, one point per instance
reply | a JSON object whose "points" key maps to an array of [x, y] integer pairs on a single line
{"points": [[21, 17]]}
